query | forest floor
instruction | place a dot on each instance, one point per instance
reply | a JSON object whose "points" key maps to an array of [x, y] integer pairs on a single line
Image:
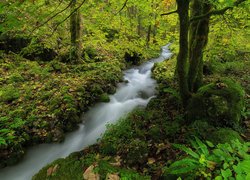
{"points": [[141, 145], [40, 101]]}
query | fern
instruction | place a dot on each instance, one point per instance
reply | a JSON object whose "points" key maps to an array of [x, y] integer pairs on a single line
{"points": [[224, 161]]}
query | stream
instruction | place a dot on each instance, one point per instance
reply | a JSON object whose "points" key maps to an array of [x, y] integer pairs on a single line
{"points": [[138, 91]]}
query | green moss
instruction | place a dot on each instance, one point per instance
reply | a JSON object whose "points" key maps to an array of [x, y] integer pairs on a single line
{"points": [[104, 97], [9, 93], [15, 77], [49, 97], [223, 135], [165, 71], [219, 103], [74, 165]]}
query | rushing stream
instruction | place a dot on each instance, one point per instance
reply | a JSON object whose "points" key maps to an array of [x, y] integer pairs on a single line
{"points": [[137, 92]]}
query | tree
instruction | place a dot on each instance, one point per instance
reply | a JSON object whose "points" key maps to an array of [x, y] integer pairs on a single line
{"points": [[75, 32], [193, 39]]}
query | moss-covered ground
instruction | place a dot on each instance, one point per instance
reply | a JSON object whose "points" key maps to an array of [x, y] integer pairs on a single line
{"points": [[144, 140], [41, 101]]}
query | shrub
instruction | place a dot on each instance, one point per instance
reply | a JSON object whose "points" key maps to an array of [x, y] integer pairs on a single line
{"points": [[228, 160]]}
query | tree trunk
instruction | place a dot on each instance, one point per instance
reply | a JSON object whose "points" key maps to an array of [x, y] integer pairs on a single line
{"points": [[148, 35], [183, 6], [198, 40], [75, 31]]}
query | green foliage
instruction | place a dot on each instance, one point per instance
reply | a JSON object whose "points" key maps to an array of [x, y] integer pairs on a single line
{"points": [[223, 135], [219, 103], [165, 71], [204, 160], [72, 168], [8, 93], [47, 96], [104, 97]]}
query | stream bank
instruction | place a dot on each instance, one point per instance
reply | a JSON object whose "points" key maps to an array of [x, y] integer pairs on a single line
{"points": [[141, 145], [41, 101], [138, 90]]}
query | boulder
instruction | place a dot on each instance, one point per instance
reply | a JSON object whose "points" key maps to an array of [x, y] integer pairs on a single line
{"points": [[219, 103]]}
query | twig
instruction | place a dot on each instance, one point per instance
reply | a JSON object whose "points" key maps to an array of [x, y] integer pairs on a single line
{"points": [[172, 12], [124, 5], [49, 19], [60, 2], [67, 17], [216, 12]]}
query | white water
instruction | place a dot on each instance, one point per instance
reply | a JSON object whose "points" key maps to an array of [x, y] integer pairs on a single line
{"points": [[137, 92]]}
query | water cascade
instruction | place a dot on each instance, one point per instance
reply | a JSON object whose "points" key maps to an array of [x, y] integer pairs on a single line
{"points": [[137, 91]]}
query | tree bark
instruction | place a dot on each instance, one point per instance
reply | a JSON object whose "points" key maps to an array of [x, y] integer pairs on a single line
{"points": [[182, 10], [75, 32], [198, 38], [148, 35]]}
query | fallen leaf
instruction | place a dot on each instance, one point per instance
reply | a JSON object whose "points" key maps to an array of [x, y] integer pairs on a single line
{"points": [[90, 175], [117, 164], [52, 170], [49, 171], [112, 176], [151, 161]]}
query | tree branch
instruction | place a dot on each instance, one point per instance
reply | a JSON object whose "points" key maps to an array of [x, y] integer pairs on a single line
{"points": [[50, 18], [67, 17], [124, 5], [217, 12], [172, 12], [60, 2]]}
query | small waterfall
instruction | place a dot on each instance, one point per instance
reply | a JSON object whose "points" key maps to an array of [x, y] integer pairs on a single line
{"points": [[138, 91]]}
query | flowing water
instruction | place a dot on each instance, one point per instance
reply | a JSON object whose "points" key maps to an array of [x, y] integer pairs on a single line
{"points": [[138, 91]]}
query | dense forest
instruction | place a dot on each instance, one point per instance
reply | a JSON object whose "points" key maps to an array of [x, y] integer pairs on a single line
{"points": [[124, 89]]}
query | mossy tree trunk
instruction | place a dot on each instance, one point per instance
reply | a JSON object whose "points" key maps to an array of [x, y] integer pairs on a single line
{"points": [[198, 38], [148, 35], [183, 7], [75, 32]]}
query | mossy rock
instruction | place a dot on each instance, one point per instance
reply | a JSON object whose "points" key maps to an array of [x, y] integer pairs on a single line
{"points": [[38, 51], [104, 97], [199, 128], [223, 135], [133, 58], [12, 42], [219, 103]]}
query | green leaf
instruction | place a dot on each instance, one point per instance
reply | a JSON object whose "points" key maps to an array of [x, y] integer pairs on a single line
{"points": [[218, 178], [226, 173], [210, 144], [182, 166], [2, 141], [202, 146], [187, 150], [185, 162], [245, 165]]}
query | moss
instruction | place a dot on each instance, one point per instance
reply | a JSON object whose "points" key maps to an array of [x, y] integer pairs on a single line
{"points": [[9, 93], [49, 97], [104, 97], [219, 103], [199, 128], [38, 51], [223, 135], [74, 165], [165, 71]]}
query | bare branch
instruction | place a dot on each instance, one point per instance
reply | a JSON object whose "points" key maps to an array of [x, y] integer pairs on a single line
{"points": [[60, 2], [124, 5], [172, 12], [67, 17], [217, 12], [50, 18]]}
